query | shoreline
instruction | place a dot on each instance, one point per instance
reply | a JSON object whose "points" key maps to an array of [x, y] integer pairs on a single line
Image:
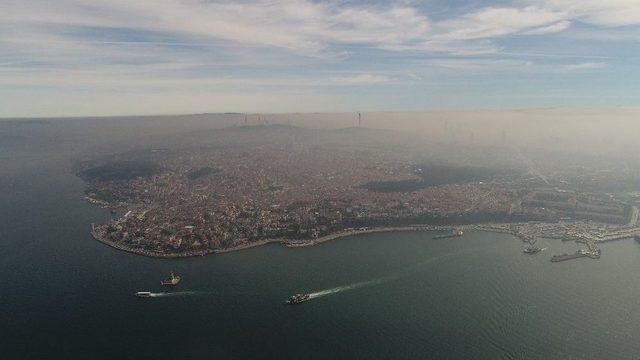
{"points": [[297, 243]]}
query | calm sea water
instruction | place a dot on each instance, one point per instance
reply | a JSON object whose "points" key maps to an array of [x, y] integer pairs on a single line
{"points": [[378, 296]]}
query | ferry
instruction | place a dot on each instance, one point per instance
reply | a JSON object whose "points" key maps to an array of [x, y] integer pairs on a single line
{"points": [[143, 294], [297, 299], [171, 280]]}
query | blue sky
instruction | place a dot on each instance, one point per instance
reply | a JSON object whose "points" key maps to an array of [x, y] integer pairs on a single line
{"points": [[117, 57]]}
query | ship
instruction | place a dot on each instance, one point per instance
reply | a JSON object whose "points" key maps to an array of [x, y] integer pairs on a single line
{"points": [[531, 250], [297, 299], [171, 280], [565, 256], [143, 294], [454, 233]]}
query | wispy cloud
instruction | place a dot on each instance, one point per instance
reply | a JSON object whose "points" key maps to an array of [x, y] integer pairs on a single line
{"points": [[302, 27], [550, 29], [608, 13], [149, 45], [585, 66], [359, 79], [496, 22], [297, 25], [482, 64], [149, 78]]}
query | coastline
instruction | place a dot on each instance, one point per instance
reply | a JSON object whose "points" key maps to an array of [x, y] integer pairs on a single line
{"points": [[148, 253], [298, 243], [351, 232]]}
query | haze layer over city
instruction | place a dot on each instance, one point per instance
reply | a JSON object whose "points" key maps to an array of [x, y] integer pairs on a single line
{"points": [[188, 179]]}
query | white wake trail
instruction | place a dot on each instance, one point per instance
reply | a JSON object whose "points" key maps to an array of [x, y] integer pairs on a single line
{"points": [[396, 276], [335, 290], [177, 294]]}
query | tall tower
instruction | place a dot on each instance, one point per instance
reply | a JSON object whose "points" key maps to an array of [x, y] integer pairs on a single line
{"points": [[359, 120]]}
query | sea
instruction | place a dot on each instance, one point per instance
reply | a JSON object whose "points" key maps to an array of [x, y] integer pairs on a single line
{"points": [[402, 295]]}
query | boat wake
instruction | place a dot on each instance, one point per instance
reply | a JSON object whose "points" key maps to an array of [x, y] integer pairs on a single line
{"points": [[177, 294], [338, 289], [385, 279]]}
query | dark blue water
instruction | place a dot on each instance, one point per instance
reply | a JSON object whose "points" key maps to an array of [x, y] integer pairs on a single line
{"points": [[379, 296]]}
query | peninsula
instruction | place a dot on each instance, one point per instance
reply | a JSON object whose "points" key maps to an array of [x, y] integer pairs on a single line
{"points": [[245, 186]]}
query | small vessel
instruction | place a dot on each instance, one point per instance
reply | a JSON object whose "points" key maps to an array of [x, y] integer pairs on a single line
{"points": [[565, 256], [531, 250], [297, 299], [171, 280], [454, 233], [143, 294]]}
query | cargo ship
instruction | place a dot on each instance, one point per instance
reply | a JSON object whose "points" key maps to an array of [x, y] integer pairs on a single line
{"points": [[171, 280], [297, 299], [454, 233]]}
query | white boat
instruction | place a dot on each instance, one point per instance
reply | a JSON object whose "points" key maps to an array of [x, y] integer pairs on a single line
{"points": [[143, 294]]}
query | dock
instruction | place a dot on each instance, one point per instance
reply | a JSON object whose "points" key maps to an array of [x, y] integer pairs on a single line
{"points": [[592, 252]]}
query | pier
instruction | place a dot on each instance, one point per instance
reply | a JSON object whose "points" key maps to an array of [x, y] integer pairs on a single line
{"points": [[564, 257], [592, 252]]}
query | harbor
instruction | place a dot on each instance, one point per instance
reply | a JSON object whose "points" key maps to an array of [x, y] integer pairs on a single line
{"points": [[587, 233]]}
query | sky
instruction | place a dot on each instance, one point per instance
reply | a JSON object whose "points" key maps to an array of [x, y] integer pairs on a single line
{"points": [[127, 57]]}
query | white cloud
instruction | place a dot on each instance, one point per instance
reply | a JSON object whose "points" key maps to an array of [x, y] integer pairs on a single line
{"points": [[298, 25], [496, 22], [597, 12], [553, 28], [304, 27], [196, 45], [360, 79], [584, 66], [482, 64]]}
